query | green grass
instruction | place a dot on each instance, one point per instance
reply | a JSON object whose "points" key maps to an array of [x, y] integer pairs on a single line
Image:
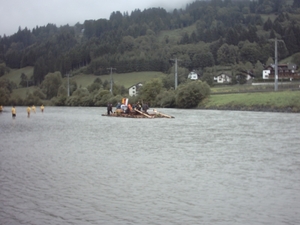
{"points": [[126, 79], [15, 74], [83, 80], [22, 92], [232, 88], [276, 100], [218, 88]]}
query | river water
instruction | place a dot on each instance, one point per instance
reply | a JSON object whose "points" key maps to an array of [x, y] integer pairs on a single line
{"points": [[74, 166]]}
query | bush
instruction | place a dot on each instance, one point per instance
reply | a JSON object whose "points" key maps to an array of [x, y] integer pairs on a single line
{"points": [[189, 95], [166, 99]]}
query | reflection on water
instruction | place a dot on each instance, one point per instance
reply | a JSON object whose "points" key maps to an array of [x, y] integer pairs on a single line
{"points": [[73, 166]]}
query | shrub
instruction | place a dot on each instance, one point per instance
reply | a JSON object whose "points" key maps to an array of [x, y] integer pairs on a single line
{"points": [[189, 95]]}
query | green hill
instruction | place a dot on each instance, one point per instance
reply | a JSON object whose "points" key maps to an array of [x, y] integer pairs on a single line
{"points": [[124, 79], [83, 80]]}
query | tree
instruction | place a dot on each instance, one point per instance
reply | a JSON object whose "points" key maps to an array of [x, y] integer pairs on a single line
{"points": [[4, 96], [252, 36], [291, 41], [250, 52], [169, 80], [241, 79], [296, 4], [190, 94], [232, 37], [296, 59], [227, 54], [80, 97], [96, 85], [272, 34], [203, 59], [208, 78], [258, 69], [39, 94], [25, 81], [150, 90], [268, 25], [166, 99], [7, 84], [40, 71], [2, 69], [102, 97], [51, 84], [185, 39], [269, 61]]}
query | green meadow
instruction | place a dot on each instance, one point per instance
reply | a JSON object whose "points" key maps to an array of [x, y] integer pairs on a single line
{"points": [[83, 80], [277, 101], [125, 79]]}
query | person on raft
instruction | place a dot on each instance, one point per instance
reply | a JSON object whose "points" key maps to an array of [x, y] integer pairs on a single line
{"points": [[109, 108]]}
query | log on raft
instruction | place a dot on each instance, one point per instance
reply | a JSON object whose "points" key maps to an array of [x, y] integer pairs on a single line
{"points": [[139, 114]]}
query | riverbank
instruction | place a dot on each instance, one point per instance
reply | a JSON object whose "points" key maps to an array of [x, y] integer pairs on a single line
{"points": [[281, 101]]}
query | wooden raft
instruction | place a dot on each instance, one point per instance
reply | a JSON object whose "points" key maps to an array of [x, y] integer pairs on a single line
{"points": [[135, 113], [145, 114]]}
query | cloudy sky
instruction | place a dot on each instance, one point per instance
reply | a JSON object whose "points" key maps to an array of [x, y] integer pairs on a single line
{"points": [[32, 13]]}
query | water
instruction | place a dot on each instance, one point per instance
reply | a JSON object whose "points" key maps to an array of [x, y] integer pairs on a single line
{"points": [[74, 166]]}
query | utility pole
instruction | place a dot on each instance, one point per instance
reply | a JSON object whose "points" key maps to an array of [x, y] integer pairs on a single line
{"points": [[176, 75], [276, 67], [111, 79], [68, 86]]}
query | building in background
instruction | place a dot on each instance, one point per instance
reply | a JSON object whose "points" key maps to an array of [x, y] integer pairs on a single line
{"points": [[134, 89]]}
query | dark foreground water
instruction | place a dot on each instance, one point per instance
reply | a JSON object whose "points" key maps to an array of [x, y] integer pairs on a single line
{"points": [[74, 166]]}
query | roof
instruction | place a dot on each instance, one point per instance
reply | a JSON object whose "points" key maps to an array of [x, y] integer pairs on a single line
{"points": [[136, 85], [223, 74]]}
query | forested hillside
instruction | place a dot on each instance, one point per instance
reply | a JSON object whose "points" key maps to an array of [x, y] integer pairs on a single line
{"points": [[235, 33]]}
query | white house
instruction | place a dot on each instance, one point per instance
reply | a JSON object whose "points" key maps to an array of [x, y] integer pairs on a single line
{"points": [[134, 89], [223, 78], [265, 74], [193, 75], [284, 71]]}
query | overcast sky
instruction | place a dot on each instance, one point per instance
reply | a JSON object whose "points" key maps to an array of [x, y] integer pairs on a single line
{"points": [[32, 13]]}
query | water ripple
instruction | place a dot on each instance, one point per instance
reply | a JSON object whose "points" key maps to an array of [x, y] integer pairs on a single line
{"points": [[73, 166]]}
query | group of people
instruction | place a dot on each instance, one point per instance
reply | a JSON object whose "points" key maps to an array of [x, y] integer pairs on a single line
{"points": [[29, 109], [123, 108]]}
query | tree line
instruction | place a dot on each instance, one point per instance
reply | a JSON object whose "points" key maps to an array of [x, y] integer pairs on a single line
{"points": [[238, 34]]}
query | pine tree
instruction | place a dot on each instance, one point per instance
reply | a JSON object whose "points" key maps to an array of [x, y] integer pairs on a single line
{"points": [[272, 34], [268, 25], [291, 41], [296, 4]]}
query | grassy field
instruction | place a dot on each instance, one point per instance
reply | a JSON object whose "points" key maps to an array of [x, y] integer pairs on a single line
{"points": [[22, 92], [266, 86], [83, 80], [15, 74], [280, 101], [125, 79]]}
